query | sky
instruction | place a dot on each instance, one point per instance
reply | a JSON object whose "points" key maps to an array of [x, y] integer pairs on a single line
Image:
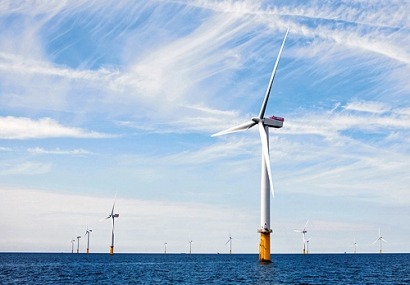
{"points": [[104, 101]]}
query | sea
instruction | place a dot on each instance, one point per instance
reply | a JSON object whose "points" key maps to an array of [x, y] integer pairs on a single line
{"points": [[98, 268]]}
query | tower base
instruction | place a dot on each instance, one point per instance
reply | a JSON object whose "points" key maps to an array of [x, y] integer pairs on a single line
{"points": [[111, 250], [264, 247]]}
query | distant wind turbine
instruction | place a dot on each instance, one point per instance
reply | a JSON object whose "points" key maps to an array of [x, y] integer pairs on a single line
{"points": [[190, 246], [303, 232], [355, 245], [307, 245], [78, 244], [72, 245], [230, 243], [87, 233], [165, 247], [381, 240], [266, 177], [112, 216]]}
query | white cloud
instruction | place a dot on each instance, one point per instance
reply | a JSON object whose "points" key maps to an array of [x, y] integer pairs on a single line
{"points": [[370, 107], [39, 150], [5, 149], [26, 128]]}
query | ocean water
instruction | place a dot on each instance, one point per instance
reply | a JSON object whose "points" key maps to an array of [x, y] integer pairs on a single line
{"points": [[67, 268]]}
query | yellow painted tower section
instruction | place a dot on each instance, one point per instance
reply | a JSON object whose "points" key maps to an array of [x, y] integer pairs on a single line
{"points": [[88, 250], [264, 247], [111, 250]]}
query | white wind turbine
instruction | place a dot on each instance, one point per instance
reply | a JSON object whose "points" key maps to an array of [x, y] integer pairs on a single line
{"points": [[190, 246], [230, 243], [72, 245], [303, 232], [263, 125], [78, 244], [307, 245], [87, 233], [381, 240], [165, 247], [112, 216], [355, 245]]}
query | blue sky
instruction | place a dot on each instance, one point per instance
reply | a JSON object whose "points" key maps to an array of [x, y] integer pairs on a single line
{"points": [[106, 97]]}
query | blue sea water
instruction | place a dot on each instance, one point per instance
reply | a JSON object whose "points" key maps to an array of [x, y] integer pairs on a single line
{"points": [[63, 268]]}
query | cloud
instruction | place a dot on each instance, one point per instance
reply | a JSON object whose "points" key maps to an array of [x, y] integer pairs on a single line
{"points": [[39, 150], [370, 107], [26, 128]]}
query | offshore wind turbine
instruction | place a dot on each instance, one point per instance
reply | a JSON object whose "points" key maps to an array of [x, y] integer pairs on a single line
{"points": [[87, 233], [266, 177], [230, 243], [165, 247], [381, 240], [355, 245], [307, 245], [190, 246], [78, 244], [112, 216], [72, 245], [303, 232]]}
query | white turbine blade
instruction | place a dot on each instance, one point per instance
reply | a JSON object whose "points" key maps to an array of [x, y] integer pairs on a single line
{"points": [[375, 241], [383, 239], [238, 128], [265, 151], [227, 241], [304, 228], [265, 100], [112, 210], [297, 231]]}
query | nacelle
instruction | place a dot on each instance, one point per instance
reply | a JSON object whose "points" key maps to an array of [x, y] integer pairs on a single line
{"points": [[274, 122]]}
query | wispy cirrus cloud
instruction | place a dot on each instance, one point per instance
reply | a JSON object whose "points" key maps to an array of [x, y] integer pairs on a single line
{"points": [[26, 128], [370, 107], [58, 151]]}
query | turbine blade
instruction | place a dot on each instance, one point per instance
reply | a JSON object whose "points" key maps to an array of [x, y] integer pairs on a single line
{"points": [[383, 240], [227, 241], [112, 210], [265, 151], [375, 241], [238, 128], [304, 228], [265, 100]]}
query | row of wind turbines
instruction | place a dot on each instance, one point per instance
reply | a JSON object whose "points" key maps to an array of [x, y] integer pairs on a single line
{"points": [[111, 216], [305, 241]]}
